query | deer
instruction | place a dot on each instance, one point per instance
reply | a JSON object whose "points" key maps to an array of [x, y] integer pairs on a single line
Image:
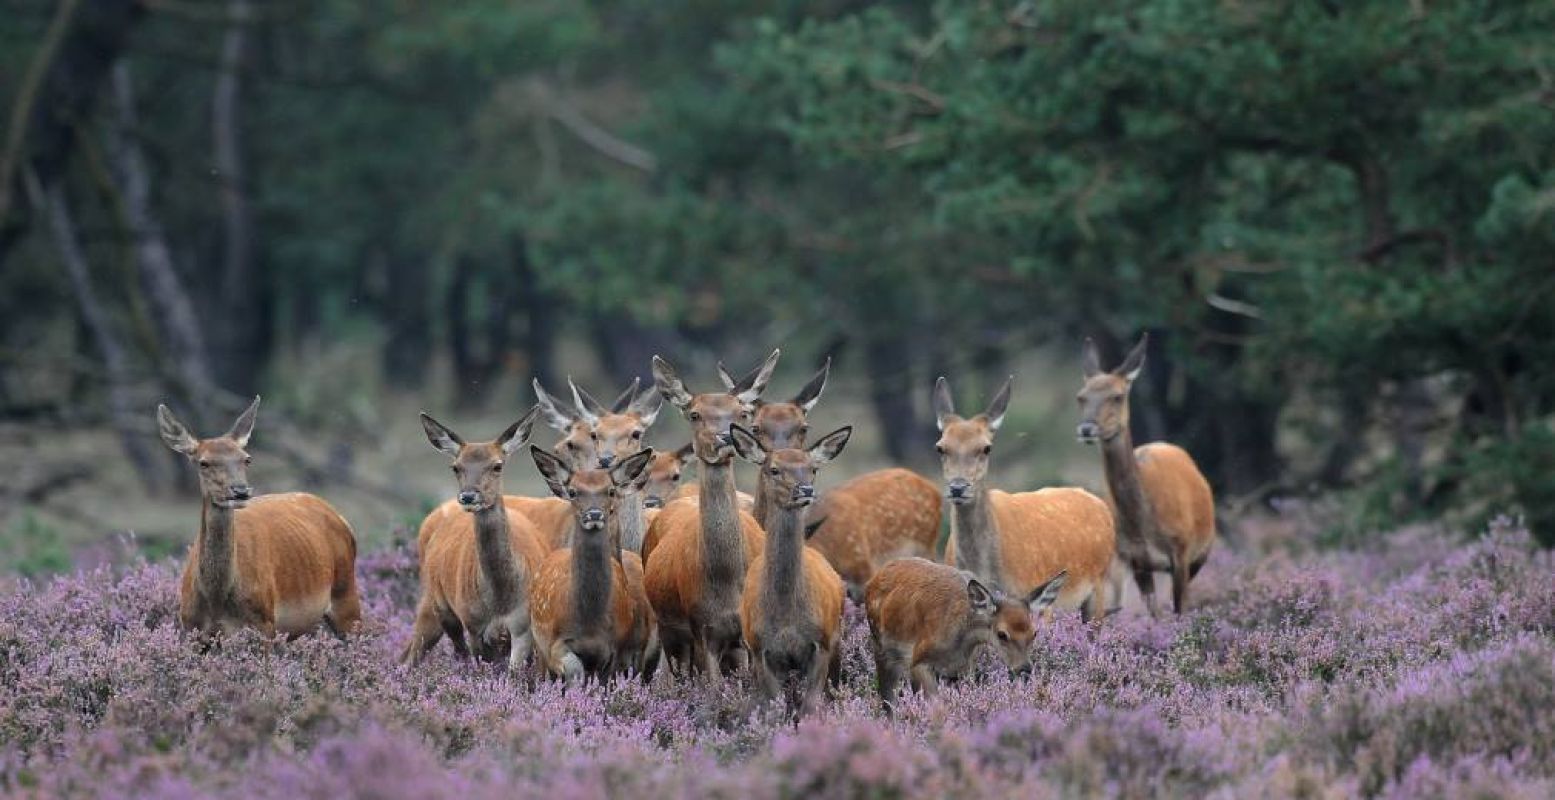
{"points": [[696, 572], [1015, 542], [927, 621], [664, 476], [1163, 506], [862, 522], [592, 434], [791, 607], [588, 618], [276, 563], [477, 558]]}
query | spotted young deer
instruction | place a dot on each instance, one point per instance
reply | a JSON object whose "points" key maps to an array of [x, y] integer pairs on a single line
{"points": [[477, 557], [696, 572], [1017, 541], [593, 436], [927, 621], [791, 608], [588, 617], [863, 522], [1165, 511], [277, 562]]}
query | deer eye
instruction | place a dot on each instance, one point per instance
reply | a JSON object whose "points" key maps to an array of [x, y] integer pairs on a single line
{"points": [[1004, 637], [694, 416], [637, 435], [987, 448], [572, 446], [204, 463], [572, 492], [612, 492], [675, 477], [248, 459], [497, 467], [774, 472], [939, 448], [594, 435]]}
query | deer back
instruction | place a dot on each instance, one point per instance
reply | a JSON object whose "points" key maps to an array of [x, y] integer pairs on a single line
{"points": [[875, 517], [1043, 532], [1182, 500]]}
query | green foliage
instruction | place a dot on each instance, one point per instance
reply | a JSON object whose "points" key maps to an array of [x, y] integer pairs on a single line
{"points": [[33, 547]]}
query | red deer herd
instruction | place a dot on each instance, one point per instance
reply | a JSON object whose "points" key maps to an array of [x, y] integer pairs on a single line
{"points": [[629, 562]]}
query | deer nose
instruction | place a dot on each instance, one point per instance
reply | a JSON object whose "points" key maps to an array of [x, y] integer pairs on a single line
{"points": [[594, 517], [653, 501], [1022, 671], [1086, 430], [606, 460], [804, 492], [725, 439], [242, 492], [959, 487], [468, 498]]}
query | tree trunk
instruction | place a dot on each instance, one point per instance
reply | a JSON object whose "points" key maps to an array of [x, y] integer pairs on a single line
{"points": [[540, 318], [477, 352], [888, 363], [243, 300], [116, 370], [408, 316], [177, 325]]}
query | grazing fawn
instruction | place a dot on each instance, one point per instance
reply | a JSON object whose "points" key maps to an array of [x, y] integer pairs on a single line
{"points": [[1015, 542], [927, 621], [791, 609], [1164, 508], [476, 562], [863, 522], [276, 562], [593, 435], [587, 618], [696, 572]]}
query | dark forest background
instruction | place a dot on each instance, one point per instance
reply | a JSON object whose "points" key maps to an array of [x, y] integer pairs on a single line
{"points": [[1337, 221]]}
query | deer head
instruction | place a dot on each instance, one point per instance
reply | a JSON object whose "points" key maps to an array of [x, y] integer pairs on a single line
{"points": [[1104, 397], [664, 475], [965, 444], [1009, 619], [595, 494], [711, 414], [477, 466], [791, 471], [222, 461], [615, 433], [780, 425]]}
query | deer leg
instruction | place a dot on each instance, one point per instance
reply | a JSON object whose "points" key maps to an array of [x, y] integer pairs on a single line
{"points": [[834, 670], [768, 685], [924, 680], [1179, 583], [815, 683], [1193, 569], [1144, 578], [889, 671], [1095, 607], [520, 639]]}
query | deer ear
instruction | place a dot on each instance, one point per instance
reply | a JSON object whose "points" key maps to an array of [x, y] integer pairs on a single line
{"points": [[981, 599], [552, 469], [999, 404], [669, 384], [944, 407], [1090, 359], [749, 389], [243, 428], [1046, 594], [625, 398], [646, 406], [589, 409], [518, 432], [725, 378], [440, 436], [1135, 362], [633, 470], [810, 393], [174, 434], [746, 446], [830, 446], [554, 414]]}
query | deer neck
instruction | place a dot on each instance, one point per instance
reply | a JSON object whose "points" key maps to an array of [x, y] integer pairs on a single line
{"points": [[494, 555], [723, 543], [783, 575], [763, 507], [592, 582], [215, 567], [628, 525], [977, 536], [1135, 517]]}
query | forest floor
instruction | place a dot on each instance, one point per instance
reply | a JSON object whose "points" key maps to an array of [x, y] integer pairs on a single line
{"points": [[1419, 664]]}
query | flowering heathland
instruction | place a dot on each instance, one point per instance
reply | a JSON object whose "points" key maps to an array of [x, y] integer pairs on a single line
{"points": [[1416, 668]]}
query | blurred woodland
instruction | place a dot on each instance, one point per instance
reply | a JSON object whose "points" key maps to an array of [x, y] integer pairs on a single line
{"points": [[1336, 220]]}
